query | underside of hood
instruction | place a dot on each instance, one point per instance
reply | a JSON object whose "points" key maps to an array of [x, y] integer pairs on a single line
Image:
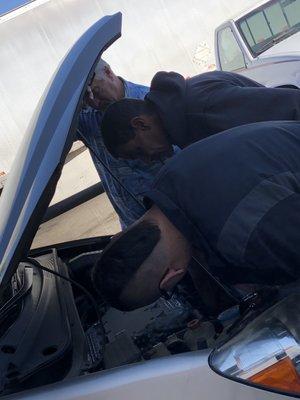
{"points": [[33, 178]]}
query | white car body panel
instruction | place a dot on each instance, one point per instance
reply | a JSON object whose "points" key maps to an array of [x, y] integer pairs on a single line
{"points": [[274, 71], [287, 47], [187, 376]]}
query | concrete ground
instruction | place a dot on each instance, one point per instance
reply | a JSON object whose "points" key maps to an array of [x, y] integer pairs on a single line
{"points": [[94, 218]]}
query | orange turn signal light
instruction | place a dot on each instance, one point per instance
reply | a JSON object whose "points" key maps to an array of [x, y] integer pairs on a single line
{"points": [[282, 376]]}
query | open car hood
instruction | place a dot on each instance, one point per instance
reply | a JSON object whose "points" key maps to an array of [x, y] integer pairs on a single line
{"points": [[37, 167]]}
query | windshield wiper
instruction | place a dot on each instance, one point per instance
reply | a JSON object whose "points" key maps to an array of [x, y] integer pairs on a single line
{"points": [[277, 39], [285, 34]]}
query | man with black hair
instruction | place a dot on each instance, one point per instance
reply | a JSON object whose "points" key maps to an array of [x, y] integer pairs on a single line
{"points": [[118, 275], [234, 198], [179, 112], [135, 176]]}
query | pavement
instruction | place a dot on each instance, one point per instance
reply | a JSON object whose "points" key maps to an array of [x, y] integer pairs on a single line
{"points": [[95, 217]]}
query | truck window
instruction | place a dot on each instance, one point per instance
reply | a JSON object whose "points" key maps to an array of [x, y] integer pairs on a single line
{"points": [[276, 19], [269, 24], [230, 54], [292, 12]]}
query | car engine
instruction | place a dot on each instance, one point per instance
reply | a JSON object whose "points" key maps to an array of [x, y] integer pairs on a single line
{"points": [[51, 330]]}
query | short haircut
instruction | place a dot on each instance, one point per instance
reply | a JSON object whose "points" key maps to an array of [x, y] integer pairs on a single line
{"points": [[116, 126], [121, 260]]}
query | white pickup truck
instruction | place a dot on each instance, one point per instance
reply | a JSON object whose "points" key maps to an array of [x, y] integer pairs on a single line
{"points": [[263, 44]]}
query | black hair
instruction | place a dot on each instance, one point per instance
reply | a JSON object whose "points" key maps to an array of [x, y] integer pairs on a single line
{"points": [[116, 128], [121, 259]]}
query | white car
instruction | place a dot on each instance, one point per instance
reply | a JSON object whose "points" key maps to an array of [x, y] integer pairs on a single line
{"points": [[58, 341], [263, 44]]}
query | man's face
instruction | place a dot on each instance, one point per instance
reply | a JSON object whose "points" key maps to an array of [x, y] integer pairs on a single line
{"points": [[102, 92], [150, 142]]}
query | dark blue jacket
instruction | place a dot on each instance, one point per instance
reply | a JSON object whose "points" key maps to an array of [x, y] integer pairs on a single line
{"points": [[212, 102], [236, 197]]}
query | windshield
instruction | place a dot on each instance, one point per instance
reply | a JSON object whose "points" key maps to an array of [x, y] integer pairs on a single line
{"points": [[269, 24]]}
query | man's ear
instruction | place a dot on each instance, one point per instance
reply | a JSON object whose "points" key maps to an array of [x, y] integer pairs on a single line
{"points": [[140, 123], [171, 278]]}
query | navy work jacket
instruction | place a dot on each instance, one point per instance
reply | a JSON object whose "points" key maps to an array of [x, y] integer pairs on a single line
{"points": [[209, 103], [236, 197]]}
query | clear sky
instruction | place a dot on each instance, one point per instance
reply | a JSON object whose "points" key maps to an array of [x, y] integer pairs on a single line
{"points": [[8, 5]]}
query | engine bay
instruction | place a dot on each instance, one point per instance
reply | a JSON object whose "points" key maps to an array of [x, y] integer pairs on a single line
{"points": [[51, 330]]}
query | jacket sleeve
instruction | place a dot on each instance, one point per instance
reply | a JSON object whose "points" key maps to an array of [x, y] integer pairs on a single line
{"points": [[229, 106]]}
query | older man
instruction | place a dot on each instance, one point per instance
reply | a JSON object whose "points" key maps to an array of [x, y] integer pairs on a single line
{"points": [[134, 175], [179, 111], [234, 198]]}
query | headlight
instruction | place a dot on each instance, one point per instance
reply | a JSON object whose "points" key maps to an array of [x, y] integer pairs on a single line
{"points": [[267, 352]]}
